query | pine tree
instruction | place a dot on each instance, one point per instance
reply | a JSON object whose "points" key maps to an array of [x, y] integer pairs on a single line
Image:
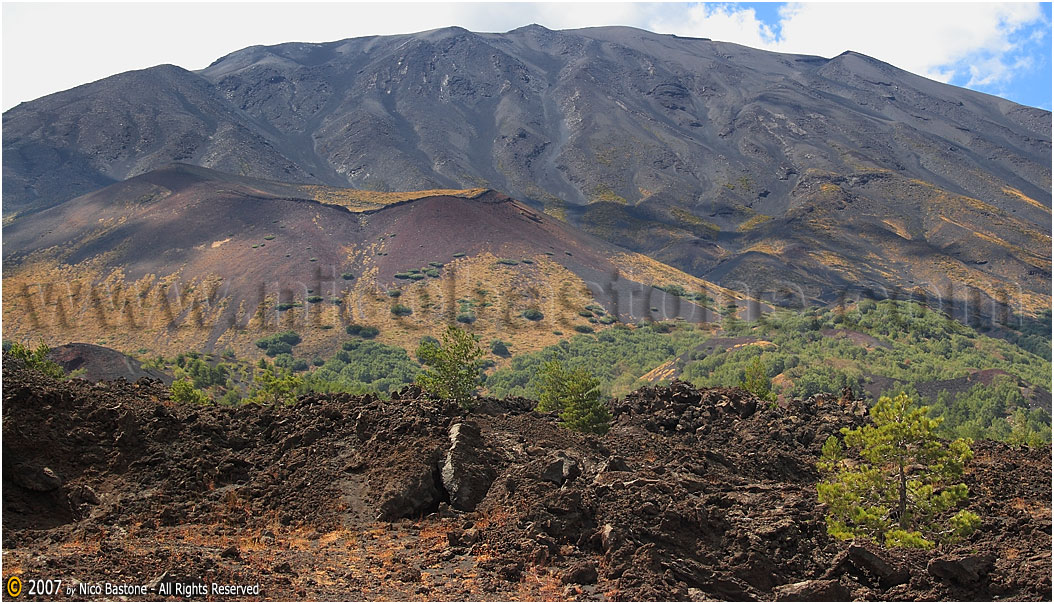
{"points": [[575, 394], [757, 382], [454, 366], [904, 489]]}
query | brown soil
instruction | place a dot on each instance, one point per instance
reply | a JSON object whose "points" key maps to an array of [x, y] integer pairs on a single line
{"points": [[693, 494]]}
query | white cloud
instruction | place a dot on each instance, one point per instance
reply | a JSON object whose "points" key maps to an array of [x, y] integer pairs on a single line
{"points": [[722, 22], [927, 39], [943, 41], [53, 47]]}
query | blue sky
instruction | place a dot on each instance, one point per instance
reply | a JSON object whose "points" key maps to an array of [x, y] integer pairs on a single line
{"points": [[1000, 48]]}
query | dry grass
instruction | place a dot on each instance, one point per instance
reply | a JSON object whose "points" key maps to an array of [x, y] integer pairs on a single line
{"points": [[649, 271], [666, 371], [539, 584], [753, 222], [687, 218], [1011, 191], [772, 247], [357, 200], [898, 227], [61, 303], [1034, 509], [495, 517]]}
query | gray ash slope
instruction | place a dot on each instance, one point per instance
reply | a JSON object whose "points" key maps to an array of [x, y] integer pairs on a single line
{"points": [[722, 160]]}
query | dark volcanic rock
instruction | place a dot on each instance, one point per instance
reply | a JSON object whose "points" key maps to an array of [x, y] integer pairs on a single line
{"points": [[866, 566], [726, 514], [413, 490], [583, 573], [36, 478], [961, 569], [561, 469], [467, 469]]}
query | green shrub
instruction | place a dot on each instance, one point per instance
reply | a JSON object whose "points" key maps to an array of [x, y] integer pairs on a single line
{"points": [[500, 348], [185, 392], [453, 366], [363, 331], [315, 299], [274, 386], [467, 318], [363, 366], [284, 360], [432, 273], [347, 276], [394, 293], [401, 310], [533, 314], [279, 343], [36, 358], [583, 329], [201, 373], [825, 379]]}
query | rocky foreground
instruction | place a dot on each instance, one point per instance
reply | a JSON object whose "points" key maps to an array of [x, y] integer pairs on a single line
{"points": [[693, 495]]}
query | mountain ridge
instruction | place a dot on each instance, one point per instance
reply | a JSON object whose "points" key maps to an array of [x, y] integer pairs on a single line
{"points": [[707, 156]]}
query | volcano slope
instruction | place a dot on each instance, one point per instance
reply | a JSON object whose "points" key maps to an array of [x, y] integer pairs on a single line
{"points": [[693, 494], [186, 258], [799, 176]]}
